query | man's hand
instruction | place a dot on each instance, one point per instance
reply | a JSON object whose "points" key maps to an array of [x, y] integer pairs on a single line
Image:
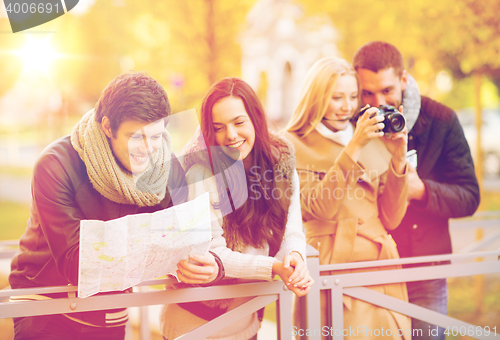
{"points": [[199, 269], [416, 188]]}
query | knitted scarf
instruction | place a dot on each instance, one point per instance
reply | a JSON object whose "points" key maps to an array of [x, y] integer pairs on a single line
{"points": [[109, 178], [411, 102]]}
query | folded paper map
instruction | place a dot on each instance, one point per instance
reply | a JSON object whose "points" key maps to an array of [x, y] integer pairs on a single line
{"points": [[118, 254]]}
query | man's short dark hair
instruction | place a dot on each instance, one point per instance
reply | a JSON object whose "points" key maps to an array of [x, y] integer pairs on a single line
{"points": [[378, 55], [132, 96]]}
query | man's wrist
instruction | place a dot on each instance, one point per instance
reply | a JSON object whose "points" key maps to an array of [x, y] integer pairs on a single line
{"points": [[420, 197]]}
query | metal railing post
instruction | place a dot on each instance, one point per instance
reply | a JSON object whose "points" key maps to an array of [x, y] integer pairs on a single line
{"points": [[145, 330], [337, 308], [284, 314], [312, 301]]}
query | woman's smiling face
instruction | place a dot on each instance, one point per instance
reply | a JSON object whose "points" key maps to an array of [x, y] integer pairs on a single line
{"points": [[233, 129], [343, 103]]}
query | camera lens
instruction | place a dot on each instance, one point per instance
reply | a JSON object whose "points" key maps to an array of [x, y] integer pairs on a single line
{"points": [[396, 122]]}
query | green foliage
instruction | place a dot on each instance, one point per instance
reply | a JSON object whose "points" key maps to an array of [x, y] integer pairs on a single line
{"points": [[13, 220], [16, 171], [464, 35], [461, 95], [461, 36], [463, 304], [185, 45], [188, 45]]}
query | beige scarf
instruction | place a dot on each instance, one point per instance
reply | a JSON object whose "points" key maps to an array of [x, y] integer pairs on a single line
{"points": [[108, 178]]}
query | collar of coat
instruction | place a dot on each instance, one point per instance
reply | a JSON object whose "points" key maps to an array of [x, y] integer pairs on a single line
{"points": [[411, 102], [315, 153]]}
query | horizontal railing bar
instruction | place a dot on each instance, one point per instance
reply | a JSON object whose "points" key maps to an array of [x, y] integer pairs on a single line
{"points": [[7, 254], [137, 299], [480, 214], [480, 244], [412, 310], [475, 224], [409, 274], [172, 280], [479, 219], [407, 260], [5, 293], [9, 243], [483, 224], [8, 249]]}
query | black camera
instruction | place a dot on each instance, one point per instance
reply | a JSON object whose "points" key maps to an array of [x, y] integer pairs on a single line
{"points": [[393, 120]]}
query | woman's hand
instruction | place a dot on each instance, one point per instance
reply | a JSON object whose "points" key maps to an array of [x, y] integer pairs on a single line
{"points": [[368, 127], [199, 269], [294, 273], [397, 144], [300, 271]]}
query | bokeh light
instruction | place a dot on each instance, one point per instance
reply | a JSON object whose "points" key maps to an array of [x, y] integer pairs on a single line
{"points": [[38, 55]]}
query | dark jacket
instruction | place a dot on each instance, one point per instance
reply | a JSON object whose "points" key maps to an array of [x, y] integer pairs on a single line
{"points": [[62, 195], [446, 168]]}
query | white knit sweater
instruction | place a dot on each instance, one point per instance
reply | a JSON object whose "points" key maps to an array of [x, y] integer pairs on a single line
{"points": [[252, 263]]}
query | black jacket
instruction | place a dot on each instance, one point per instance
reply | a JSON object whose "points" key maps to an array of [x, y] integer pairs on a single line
{"points": [[62, 195], [446, 168]]}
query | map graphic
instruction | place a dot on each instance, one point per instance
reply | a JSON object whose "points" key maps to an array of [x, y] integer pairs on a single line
{"points": [[120, 253]]}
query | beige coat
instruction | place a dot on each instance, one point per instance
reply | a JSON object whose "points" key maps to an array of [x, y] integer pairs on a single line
{"points": [[347, 208]]}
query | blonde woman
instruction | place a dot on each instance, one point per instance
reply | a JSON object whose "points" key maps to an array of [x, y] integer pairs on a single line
{"points": [[353, 180]]}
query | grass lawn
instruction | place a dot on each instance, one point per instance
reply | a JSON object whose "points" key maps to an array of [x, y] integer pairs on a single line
{"points": [[13, 217], [464, 296], [490, 201], [16, 171]]}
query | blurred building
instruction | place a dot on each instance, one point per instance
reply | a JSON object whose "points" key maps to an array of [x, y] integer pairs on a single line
{"points": [[279, 45]]}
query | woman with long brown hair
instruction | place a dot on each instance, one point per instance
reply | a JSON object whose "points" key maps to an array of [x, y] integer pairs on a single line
{"points": [[254, 190]]}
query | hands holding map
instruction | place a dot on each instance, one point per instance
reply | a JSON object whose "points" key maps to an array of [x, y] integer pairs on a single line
{"points": [[118, 254]]}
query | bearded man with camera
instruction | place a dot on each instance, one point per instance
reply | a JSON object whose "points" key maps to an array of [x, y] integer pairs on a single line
{"points": [[442, 182]]}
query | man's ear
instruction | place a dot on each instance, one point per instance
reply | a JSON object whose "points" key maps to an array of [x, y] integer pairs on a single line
{"points": [[404, 80], [106, 127]]}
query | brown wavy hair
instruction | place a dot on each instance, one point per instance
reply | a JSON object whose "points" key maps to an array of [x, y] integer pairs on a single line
{"points": [[256, 218], [132, 96], [379, 55]]}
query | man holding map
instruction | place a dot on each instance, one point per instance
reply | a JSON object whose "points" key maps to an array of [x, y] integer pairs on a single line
{"points": [[118, 161]]}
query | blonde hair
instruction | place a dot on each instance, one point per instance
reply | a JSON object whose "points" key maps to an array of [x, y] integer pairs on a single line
{"points": [[316, 93]]}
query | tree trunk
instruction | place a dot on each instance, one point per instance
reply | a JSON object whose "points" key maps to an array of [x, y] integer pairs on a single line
{"points": [[477, 77], [211, 46]]}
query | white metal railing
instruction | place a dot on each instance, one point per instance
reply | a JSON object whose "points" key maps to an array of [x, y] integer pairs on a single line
{"points": [[352, 284], [264, 292]]}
